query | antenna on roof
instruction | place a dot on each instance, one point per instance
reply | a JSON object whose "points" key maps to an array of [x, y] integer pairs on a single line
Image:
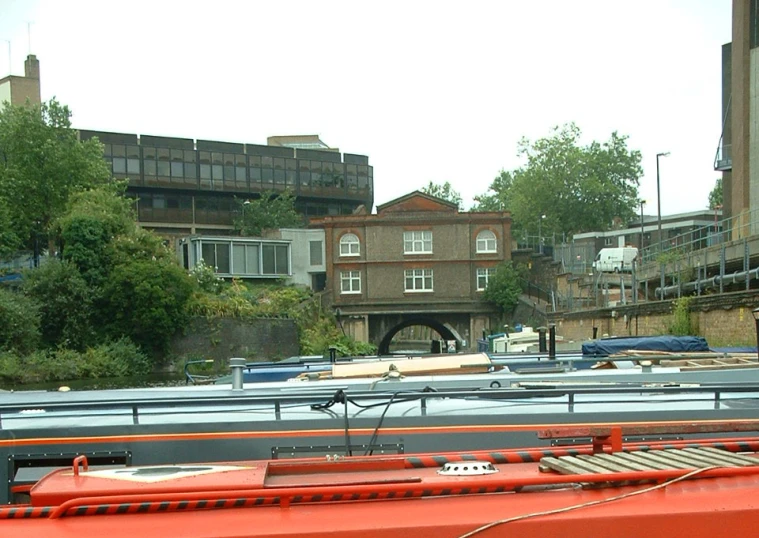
{"points": [[29, 34]]}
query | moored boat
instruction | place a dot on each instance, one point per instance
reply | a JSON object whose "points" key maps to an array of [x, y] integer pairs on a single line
{"points": [[610, 488]]}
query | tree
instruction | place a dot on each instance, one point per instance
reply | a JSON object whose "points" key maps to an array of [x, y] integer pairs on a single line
{"points": [[578, 188], [272, 210], [505, 286], [715, 196], [42, 162], [498, 199], [445, 192]]}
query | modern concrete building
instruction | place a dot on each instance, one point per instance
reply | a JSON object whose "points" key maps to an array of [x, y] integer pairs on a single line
{"points": [[738, 153], [16, 90], [417, 258], [187, 187]]}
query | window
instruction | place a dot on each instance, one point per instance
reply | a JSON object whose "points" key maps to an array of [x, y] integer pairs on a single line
{"points": [[275, 260], [608, 241], [315, 252], [417, 242], [486, 242], [350, 282], [350, 245], [245, 258], [418, 280], [484, 274], [216, 255]]}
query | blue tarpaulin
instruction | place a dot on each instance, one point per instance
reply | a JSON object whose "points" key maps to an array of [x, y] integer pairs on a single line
{"points": [[610, 346]]}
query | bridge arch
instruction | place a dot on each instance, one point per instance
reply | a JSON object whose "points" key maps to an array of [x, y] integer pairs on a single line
{"points": [[444, 330]]}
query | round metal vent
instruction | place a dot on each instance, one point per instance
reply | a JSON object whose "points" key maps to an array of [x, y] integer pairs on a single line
{"points": [[467, 468]]}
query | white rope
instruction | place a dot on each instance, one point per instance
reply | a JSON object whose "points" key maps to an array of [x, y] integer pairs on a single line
{"points": [[587, 504]]}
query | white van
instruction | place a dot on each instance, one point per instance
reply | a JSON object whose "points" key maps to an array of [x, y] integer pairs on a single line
{"points": [[615, 259]]}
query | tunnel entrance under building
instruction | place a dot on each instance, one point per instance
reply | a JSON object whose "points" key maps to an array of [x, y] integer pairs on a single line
{"points": [[418, 336]]}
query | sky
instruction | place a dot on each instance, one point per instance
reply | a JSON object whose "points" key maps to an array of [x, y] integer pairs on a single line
{"points": [[437, 91]]}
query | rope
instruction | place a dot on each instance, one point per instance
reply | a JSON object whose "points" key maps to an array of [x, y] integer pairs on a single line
{"points": [[587, 504]]}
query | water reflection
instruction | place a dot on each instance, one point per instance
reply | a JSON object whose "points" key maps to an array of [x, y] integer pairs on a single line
{"points": [[153, 380]]}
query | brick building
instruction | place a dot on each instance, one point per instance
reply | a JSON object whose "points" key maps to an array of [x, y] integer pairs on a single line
{"points": [[418, 256]]}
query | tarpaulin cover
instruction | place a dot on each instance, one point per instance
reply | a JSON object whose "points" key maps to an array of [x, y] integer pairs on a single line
{"points": [[610, 346]]}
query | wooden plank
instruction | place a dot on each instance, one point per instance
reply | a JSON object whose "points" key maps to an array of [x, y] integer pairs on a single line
{"points": [[741, 457], [622, 463], [566, 466], [453, 363], [715, 459]]}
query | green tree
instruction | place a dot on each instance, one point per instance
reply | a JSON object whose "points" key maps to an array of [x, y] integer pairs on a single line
{"points": [[715, 196], [505, 286], [272, 210], [578, 188], [445, 192], [147, 301], [42, 163], [65, 300], [19, 322], [497, 197], [94, 219]]}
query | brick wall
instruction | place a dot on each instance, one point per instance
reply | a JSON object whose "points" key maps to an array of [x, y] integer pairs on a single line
{"points": [[222, 339], [724, 320]]}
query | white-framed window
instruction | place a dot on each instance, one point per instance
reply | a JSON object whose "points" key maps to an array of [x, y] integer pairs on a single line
{"points": [[419, 242], [350, 245], [350, 282], [486, 242], [608, 241], [484, 274], [418, 280]]}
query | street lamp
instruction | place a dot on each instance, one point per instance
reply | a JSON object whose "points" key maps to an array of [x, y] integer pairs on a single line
{"points": [[642, 203], [242, 227], [540, 233], [658, 195], [755, 312]]}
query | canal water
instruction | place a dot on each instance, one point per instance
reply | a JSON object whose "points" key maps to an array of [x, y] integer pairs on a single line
{"points": [[153, 380]]}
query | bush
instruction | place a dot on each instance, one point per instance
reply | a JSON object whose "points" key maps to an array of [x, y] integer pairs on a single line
{"points": [[505, 286], [19, 322], [146, 301], [65, 304], [114, 359]]}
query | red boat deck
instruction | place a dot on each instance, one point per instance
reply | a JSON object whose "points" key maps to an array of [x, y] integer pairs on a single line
{"points": [[606, 489]]}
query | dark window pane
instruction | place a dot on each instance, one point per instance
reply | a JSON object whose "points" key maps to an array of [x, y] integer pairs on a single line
{"points": [[267, 255], [209, 254], [189, 156], [189, 170], [205, 171], [229, 171], [315, 251], [119, 165], [281, 259], [255, 174], [148, 153], [150, 167], [240, 173], [118, 150], [177, 169], [279, 164], [222, 257], [133, 167], [218, 171], [267, 177], [254, 160], [163, 168]]}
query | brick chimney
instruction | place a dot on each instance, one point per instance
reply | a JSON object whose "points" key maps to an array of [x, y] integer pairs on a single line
{"points": [[32, 67]]}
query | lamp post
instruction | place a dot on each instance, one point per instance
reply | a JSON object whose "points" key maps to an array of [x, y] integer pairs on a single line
{"points": [[755, 313], [642, 203], [242, 227], [658, 196], [540, 233]]}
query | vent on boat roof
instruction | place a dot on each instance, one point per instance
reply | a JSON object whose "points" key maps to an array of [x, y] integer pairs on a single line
{"points": [[465, 468]]}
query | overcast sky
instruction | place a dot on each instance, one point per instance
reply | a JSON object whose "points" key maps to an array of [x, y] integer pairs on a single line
{"points": [[429, 90]]}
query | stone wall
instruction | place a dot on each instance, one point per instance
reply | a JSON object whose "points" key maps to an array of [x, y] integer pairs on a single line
{"points": [[223, 338], [724, 320]]}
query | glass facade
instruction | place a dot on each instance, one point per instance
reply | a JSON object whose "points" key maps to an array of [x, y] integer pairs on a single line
{"points": [[238, 258], [324, 182]]}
